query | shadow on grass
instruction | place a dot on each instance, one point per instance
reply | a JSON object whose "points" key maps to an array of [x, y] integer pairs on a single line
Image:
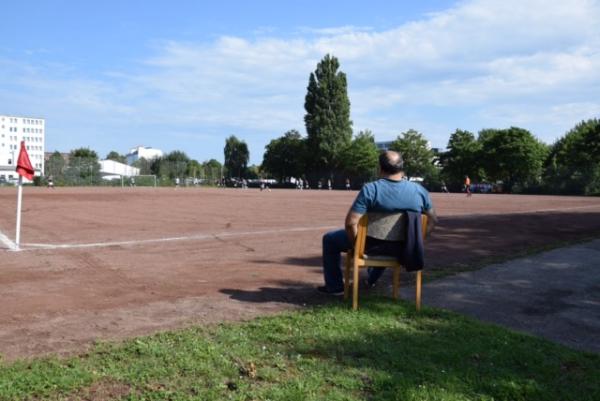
{"points": [[385, 351], [398, 354], [303, 294]]}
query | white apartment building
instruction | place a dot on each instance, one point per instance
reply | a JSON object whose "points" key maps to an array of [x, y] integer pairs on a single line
{"points": [[142, 152], [13, 130]]}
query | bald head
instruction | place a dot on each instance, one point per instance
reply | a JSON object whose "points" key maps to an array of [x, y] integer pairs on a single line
{"points": [[391, 162]]}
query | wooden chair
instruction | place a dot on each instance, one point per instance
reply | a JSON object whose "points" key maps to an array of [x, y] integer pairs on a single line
{"points": [[389, 227]]}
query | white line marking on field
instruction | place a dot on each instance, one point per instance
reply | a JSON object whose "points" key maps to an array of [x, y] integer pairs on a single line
{"points": [[197, 237], [6, 241]]}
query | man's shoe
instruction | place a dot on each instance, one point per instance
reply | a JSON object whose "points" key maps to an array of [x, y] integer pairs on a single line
{"points": [[328, 291]]}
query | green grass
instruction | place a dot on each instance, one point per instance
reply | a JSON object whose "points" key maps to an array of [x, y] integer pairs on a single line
{"points": [[386, 351]]}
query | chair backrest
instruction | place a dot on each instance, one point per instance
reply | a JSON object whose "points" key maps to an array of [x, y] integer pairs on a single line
{"points": [[385, 226]]}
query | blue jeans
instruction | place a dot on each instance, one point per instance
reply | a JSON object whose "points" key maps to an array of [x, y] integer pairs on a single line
{"points": [[334, 243]]}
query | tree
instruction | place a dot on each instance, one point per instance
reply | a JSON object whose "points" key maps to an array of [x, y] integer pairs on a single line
{"points": [[112, 155], [144, 165], [174, 164], [461, 158], [213, 164], [236, 157], [253, 172], [513, 156], [573, 162], [360, 159], [83, 167], [327, 118], [83, 153], [54, 166], [212, 170], [193, 168], [284, 157], [417, 155]]}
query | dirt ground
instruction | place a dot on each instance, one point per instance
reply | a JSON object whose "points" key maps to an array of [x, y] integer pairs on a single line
{"points": [[110, 263]]}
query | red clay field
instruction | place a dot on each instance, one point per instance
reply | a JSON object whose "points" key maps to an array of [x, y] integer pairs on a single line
{"points": [[100, 263]]}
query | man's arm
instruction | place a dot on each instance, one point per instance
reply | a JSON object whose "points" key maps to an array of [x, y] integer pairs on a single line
{"points": [[431, 220], [351, 225]]}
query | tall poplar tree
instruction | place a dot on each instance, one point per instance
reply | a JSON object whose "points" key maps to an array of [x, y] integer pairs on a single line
{"points": [[327, 118]]}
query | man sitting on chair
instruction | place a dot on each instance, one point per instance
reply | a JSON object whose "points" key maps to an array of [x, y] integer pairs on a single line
{"points": [[389, 194]]}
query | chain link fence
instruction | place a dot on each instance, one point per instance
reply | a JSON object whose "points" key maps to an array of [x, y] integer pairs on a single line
{"points": [[78, 171]]}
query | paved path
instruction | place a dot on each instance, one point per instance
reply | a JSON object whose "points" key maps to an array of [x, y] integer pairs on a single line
{"points": [[554, 294]]}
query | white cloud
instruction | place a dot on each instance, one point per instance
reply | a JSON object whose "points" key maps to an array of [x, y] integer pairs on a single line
{"points": [[478, 63], [537, 118], [479, 51], [335, 31]]}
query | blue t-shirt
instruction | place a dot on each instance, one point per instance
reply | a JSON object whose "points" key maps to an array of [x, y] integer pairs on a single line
{"points": [[387, 196]]}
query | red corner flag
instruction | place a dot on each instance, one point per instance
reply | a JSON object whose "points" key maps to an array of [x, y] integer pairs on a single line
{"points": [[24, 167]]}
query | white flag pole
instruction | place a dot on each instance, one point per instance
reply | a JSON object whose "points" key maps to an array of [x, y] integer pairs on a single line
{"points": [[19, 201]]}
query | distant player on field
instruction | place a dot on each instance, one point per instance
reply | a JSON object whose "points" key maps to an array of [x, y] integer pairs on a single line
{"points": [[468, 185], [444, 188]]}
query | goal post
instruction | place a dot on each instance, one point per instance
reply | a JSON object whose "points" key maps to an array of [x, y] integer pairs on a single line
{"points": [[146, 180]]}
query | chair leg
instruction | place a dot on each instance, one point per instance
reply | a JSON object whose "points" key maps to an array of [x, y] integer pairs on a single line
{"points": [[355, 287], [418, 289], [347, 275], [395, 283]]}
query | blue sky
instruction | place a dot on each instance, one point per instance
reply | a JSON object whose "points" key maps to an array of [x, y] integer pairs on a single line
{"points": [[184, 75]]}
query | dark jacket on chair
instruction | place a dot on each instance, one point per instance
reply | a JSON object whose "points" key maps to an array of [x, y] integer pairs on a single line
{"points": [[411, 252]]}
